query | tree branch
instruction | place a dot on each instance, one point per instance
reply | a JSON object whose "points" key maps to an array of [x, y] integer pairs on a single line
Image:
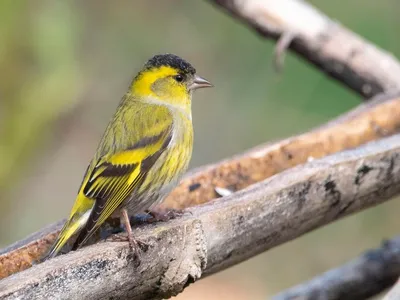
{"points": [[370, 121], [359, 279], [221, 233], [331, 47]]}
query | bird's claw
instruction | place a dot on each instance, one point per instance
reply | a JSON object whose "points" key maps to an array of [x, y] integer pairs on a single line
{"points": [[136, 245]]}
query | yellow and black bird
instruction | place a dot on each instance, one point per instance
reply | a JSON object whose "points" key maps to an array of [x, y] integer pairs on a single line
{"points": [[144, 151]]}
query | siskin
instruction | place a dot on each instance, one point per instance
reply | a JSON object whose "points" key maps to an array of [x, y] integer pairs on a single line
{"points": [[144, 151]]}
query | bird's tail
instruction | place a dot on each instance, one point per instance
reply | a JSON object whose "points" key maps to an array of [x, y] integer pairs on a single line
{"points": [[72, 226]]}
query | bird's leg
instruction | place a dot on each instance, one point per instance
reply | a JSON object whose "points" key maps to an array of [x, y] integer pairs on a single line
{"points": [[135, 244]]}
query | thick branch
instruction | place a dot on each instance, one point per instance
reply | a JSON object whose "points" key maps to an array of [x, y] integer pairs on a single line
{"points": [[221, 233], [376, 119], [337, 51], [370, 121], [360, 279]]}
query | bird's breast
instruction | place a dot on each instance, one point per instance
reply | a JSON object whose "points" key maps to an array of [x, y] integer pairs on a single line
{"points": [[174, 161], [166, 172]]}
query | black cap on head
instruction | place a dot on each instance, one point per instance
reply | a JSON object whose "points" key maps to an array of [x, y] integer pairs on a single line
{"points": [[172, 61]]}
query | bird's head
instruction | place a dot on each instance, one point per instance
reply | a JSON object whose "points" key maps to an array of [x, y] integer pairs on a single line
{"points": [[168, 78]]}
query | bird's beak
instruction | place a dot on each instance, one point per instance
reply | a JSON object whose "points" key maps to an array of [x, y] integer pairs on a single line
{"points": [[199, 82]]}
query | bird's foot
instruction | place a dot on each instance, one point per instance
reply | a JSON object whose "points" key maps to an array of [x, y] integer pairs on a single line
{"points": [[136, 245]]}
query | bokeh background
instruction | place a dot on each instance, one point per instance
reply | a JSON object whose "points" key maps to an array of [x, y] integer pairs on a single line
{"points": [[65, 65]]}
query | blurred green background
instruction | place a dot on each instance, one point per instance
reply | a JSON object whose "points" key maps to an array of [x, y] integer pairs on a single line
{"points": [[65, 65]]}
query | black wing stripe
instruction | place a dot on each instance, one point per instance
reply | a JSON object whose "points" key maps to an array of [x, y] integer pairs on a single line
{"points": [[110, 170], [149, 140], [150, 160], [117, 170]]}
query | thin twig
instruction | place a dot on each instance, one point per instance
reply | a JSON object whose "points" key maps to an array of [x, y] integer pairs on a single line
{"points": [[281, 47]]}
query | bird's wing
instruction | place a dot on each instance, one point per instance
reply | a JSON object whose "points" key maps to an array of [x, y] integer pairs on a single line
{"points": [[113, 177]]}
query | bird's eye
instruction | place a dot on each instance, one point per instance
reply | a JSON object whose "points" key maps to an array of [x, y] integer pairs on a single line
{"points": [[179, 78]]}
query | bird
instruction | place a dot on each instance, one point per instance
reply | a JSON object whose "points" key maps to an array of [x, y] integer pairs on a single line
{"points": [[144, 151]]}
